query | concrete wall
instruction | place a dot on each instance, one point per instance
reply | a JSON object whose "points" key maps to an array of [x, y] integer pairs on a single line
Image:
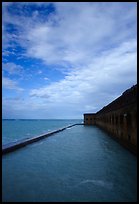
{"points": [[119, 119]]}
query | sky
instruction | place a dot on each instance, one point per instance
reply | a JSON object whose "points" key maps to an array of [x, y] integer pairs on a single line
{"points": [[63, 59]]}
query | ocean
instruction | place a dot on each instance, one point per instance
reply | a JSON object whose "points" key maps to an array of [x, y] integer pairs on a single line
{"points": [[81, 163], [16, 129]]}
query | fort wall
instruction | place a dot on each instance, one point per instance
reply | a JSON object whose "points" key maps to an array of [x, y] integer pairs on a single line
{"points": [[119, 119]]}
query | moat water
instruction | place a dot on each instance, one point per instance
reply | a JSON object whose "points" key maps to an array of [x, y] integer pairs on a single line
{"points": [[81, 163]]}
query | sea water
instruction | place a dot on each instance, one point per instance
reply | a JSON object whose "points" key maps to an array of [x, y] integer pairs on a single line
{"points": [[81, 163], [16, 129]]}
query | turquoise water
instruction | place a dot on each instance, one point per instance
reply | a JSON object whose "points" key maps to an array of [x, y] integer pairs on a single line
{"points": [[14, 130], [79, 164]]}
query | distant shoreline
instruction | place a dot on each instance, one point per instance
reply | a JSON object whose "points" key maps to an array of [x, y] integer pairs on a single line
{"points": [[45, 119]]}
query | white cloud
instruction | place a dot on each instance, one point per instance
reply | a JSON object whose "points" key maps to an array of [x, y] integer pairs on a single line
{"points": [[45, 78], [96, 44], [82, 31], [12, 68], [40, 72], [10, 84], [105, 78], [76, 32]]}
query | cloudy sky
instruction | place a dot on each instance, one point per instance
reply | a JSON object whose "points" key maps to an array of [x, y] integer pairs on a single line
{"points": [[60, 60]]}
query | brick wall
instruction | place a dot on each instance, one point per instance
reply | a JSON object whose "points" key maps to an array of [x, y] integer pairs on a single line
{"points": [[119, 119]]}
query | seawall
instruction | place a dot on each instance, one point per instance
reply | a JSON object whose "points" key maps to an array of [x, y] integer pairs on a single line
{"points": [[21, 143]]}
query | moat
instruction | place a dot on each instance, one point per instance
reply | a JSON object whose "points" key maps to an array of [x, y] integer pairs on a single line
{"points": [[81, 163]]}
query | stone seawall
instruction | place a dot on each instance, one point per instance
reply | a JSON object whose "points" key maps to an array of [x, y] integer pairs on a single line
{"points": [[21, 143]]}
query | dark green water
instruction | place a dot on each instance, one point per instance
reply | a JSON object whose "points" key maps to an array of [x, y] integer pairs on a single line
{"points": [[79, 164]]}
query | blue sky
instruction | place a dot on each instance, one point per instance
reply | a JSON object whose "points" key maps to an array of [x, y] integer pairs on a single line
{"points": [[60, 59]]}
